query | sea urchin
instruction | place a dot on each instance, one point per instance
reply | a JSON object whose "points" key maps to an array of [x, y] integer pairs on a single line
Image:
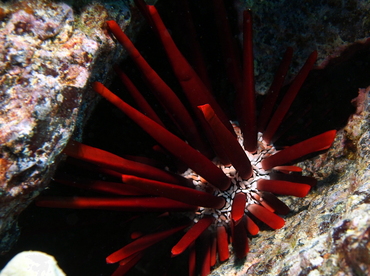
{"points": [[233, 172]]}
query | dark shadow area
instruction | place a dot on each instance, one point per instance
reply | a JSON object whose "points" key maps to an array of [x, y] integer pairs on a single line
{"points": [[324, 102]]}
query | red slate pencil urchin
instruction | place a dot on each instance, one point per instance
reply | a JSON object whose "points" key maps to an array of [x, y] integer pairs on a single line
{"points": [[234, 171]]}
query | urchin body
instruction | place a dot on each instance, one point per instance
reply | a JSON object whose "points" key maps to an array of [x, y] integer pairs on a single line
{"points": [[238, 184]]}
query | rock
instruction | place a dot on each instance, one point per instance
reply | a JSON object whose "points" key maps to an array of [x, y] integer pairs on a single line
{"points": [[48, 55], [327, 233], [325, 26], [32, 263]]}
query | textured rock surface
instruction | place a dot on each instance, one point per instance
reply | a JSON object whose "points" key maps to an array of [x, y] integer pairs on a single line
{"points": [[327, 26], [47, 55], [327, 233]]}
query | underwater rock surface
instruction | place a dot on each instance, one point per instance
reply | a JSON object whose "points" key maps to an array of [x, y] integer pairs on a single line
{"points": [[327, 232], [47, 55], [327, 26]]}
